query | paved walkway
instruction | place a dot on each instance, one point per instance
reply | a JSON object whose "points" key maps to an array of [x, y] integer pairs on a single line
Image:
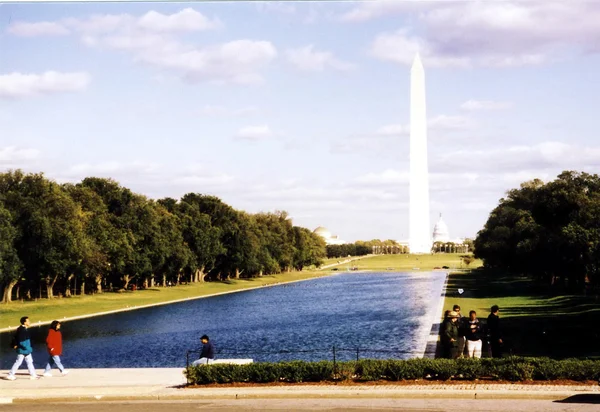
{"points": [[166, 384]]}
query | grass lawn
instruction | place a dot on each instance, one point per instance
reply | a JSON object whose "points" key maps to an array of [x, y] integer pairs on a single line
{"points": [[535, 323], [47, 310], [410, 262]]}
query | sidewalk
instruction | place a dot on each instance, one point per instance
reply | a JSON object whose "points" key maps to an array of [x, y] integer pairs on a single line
{"points": [[165, 384]]}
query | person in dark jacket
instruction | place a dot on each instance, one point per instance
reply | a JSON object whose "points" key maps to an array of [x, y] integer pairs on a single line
{"points": [[23, 347], [208, 351], [54, 346], [462, 324], [495, 332], [449, 336], [473, 336]]}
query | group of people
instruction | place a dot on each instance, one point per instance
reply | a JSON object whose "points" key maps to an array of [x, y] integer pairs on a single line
{"points": [[464, 337], [21, 343]]}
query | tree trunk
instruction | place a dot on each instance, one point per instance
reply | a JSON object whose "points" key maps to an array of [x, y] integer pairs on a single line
{"points": [[145, 284], [237, 273], [164, 282], [126, 279], [68, 286], [152, 282], [82, 287], [98, 280], [178, 278], [7, 296], [50, 285]]}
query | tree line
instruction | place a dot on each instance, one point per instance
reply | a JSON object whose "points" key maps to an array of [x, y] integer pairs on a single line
{"points": [[100, 235], [550, 231]]}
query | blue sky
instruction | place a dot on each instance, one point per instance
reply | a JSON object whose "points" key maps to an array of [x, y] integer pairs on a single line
{"points": [[303, 106]]}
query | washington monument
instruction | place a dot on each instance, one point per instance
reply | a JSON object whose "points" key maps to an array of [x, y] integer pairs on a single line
{"points": [[419, 230]]}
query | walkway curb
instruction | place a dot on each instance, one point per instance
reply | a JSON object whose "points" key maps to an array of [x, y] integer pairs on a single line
{"points": [[309, 393]]}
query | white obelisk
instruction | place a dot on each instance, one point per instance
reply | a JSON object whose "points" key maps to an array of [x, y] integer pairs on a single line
{"points": [[419, 231]]}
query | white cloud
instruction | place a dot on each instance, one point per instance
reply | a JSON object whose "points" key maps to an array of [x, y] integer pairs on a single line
{"points": [[185, 20], [486, 33], [151, 39], [400, 47], [308, 59], [445, 122], [371, 9], [254, 133], [43, 28], [12, 155], [20, 85], [473, 105]]}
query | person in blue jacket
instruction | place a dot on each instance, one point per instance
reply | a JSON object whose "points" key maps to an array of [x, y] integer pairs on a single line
{"points": [[207, 355], [22, 344]]}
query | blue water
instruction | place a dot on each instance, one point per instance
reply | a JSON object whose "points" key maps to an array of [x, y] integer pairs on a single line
{"points": [[385, 315]]}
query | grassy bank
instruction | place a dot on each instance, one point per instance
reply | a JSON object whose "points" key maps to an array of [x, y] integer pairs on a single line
{"points": [[535, 323], [46, 310]]}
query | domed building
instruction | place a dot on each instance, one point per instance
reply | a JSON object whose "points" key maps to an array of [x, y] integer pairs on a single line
{"points": [[440, 231], [329, 238]]}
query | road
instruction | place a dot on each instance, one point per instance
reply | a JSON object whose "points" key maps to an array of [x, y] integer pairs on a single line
{"points": [[582, 403]]}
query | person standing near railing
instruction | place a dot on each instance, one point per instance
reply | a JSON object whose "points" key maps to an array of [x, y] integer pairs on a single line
{"points": [[208, 352]]}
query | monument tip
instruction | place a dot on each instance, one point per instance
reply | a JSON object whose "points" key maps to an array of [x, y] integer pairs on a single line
{"points": [[417, 61]]}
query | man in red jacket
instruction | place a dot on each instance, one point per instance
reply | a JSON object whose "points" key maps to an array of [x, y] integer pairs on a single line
{"points": [[54, 345]]}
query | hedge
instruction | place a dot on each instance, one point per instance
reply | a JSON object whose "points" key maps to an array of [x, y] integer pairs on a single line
{"points": [[510, 368]]}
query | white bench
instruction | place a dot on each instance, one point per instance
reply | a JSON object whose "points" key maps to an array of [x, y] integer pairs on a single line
{"points": [[205, 361]]}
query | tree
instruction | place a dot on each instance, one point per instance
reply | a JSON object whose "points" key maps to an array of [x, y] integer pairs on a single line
{"points": [[11, 267]]}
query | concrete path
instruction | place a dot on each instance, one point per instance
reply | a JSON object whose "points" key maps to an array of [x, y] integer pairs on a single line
{"points": [[165, 384]]}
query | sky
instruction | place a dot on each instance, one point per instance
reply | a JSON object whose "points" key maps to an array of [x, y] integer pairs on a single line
{"points": [[303, 106]]}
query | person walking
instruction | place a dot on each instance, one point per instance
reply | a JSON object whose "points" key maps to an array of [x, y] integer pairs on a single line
{"points": [[493, 325], [22, 344], [208, 352], [54, 346], [473, 336], [449, 336]]}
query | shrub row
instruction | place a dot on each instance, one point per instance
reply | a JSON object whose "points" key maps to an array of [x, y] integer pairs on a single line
{"points": [[510, 368]]}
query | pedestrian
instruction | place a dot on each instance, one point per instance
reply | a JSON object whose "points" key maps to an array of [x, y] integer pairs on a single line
{"points": [[54, 346], [461, 324], [22, 344], [449, 336], [208, 352], [495, 332], [473, 336]]}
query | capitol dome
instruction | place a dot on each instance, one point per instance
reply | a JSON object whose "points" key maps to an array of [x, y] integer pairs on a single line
{"points": [[328, 237], [321, 231], [440, 231]]}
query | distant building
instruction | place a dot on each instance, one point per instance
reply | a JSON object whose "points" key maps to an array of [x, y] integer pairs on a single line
{"points": [[329, 238], [440, 231]]}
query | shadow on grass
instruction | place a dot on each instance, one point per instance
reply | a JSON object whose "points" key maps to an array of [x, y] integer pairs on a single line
{"points": [[583, 398], [536, 324]]}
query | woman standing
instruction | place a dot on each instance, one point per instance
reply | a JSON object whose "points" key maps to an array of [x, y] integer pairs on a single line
{"points": [[54, 345]]}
